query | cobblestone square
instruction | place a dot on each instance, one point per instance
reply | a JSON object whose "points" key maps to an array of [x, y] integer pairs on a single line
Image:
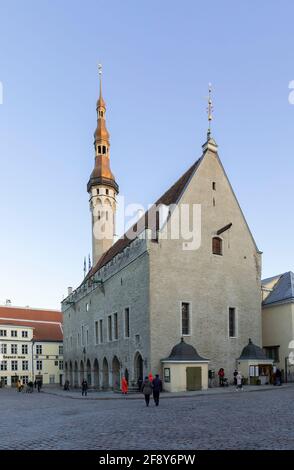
{"points": [[244, 420]]}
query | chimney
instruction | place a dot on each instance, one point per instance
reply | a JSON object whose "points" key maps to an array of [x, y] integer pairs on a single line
{"points": [[69, 290], [8, 303]]}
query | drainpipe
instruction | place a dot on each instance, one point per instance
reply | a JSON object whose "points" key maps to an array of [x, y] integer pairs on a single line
{"points": [[286, 370], [33, 372]]}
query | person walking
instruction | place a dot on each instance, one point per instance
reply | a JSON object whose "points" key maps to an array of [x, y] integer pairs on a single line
{"points": [[221, 375], [140, 383], [84, 387], [124, 385], [235, 377], [239, 379], [157, 388], [147, 390], [278, 377]]}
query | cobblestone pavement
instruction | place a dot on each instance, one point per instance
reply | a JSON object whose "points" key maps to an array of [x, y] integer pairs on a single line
{"points": [[240, 420]]}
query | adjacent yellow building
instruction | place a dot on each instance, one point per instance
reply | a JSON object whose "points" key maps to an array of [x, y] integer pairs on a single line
{"points": [[278, 321], [31, 346]]}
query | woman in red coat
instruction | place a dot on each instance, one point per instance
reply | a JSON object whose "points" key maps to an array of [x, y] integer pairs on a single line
{"points": [[124, 385]]}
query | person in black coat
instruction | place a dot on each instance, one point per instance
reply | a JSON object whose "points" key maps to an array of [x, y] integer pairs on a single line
{"points": [[84, 387], [157, 388], [278, 377]]}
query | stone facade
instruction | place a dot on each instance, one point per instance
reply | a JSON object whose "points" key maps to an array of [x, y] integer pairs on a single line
{"points": [[152, 278], [210, 283], [125, 285]]}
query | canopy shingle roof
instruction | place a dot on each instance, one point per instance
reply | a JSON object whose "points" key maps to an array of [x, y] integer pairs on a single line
{"points": [[252, 351], [184, 352]]}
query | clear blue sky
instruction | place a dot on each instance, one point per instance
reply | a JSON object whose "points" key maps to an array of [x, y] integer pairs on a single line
{"points": [[158, 58]]}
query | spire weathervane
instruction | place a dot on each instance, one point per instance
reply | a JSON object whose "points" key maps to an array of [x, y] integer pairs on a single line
{"points": [[100, 77], [209, 110]]}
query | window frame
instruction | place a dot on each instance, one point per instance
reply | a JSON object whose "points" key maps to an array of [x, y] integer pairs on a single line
{"points": [[127, 308], [188, 302], [214, 251], [115, 327], [109, 328], [235, 322]]}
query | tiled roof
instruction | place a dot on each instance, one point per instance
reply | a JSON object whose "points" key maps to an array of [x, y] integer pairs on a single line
{"points": [[171, 196], [47, 324], [283, 290]]}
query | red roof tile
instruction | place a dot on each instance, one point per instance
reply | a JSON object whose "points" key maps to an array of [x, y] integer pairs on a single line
{"points": [[47, 324]]}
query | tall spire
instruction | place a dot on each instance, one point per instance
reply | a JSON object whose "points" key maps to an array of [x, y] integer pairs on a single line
{"points": [[102, 169], [102, 187]]}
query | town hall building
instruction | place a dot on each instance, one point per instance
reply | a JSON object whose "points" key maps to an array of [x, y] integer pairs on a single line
{"points": [[164, 298]]}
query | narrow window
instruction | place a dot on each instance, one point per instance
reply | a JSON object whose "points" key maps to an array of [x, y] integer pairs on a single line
{"points": [[127, 322], [232, 322], [217, 248], [185, 318], [110, 328], [83, 337], [99, 148], [107, 191], [106, 215], [104, 150], [96, 333], [97, 190], [214, 186], [101, 331], [213, 202], [115, 326]]}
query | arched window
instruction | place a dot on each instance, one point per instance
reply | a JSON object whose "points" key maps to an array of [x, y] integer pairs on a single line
{"points": [[99, 148], [104, 149], [106, 213], [217, 246]]}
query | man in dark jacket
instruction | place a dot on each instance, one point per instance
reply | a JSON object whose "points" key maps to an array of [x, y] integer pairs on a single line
{"points": [[157, 388], [84, 387]]}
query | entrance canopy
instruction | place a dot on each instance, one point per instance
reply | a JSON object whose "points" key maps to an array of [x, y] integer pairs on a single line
{"points": [[184, 369], [254, 365]]}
